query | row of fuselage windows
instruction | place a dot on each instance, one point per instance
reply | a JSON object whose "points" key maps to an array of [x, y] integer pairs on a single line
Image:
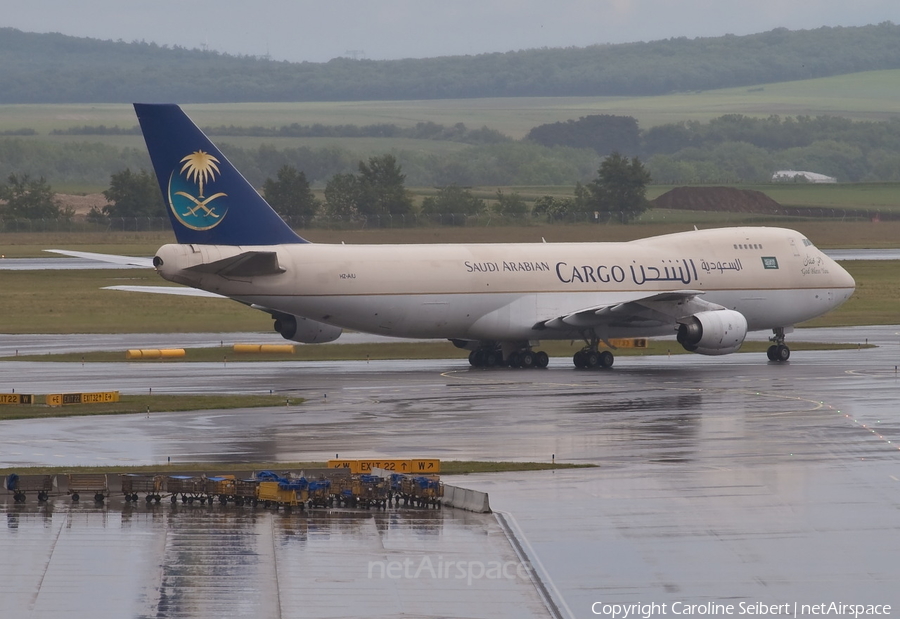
{"points": [[747, 246]]}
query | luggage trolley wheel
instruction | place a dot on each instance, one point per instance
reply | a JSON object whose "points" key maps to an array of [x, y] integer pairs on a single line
{"points": [[75, 497], [98, 497]]}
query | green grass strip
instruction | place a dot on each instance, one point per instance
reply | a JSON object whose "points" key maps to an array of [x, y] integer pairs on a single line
{"points": [[130, 404], [448, 467]]}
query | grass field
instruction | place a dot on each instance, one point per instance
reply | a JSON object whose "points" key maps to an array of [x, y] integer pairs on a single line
{"points": [[159, 403], [825, 233], [868, 95], [448, 467]]}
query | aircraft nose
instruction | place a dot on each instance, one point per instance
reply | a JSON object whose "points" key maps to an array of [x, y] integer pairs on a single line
{"points": [[842, 283], [843, 279]]}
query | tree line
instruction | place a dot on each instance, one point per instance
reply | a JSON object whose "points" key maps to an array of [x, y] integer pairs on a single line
{"points": [[376, 190], [54, 68], [735, 148], [421, 131], [730, 149]]}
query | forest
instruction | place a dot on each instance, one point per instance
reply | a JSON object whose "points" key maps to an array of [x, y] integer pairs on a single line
{"points": [[729, 149], [54, 68]]}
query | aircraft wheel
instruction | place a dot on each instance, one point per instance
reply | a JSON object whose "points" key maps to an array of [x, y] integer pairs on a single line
{"points": [[473, 358], [527, 359], [782, 353], [579, 359], [770, 352], [515, 360], [592, 359], [606, 359], [541, 359], [491, 359]]}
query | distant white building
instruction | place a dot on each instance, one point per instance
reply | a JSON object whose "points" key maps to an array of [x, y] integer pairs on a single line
{"points": [[788, 176]]}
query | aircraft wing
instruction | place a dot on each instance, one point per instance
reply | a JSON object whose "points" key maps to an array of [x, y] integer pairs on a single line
{"points": [[656, 309], [182, 291], [109, 258]]}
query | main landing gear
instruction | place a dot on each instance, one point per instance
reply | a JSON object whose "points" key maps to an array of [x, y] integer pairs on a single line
{"points": [[778, 351], [493, 357], [589, 358]]}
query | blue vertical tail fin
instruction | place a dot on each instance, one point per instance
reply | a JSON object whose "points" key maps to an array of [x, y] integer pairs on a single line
{"points": [[208, 201]]}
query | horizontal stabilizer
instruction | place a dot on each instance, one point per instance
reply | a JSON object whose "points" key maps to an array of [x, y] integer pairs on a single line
{"points": [[108, 258], [180, 291], [247, 264]]}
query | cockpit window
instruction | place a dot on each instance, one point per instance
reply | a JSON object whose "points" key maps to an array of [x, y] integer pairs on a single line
{"points": [[807, 243]]}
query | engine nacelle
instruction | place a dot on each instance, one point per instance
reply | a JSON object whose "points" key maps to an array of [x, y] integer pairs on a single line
{"points": [[718, 332], [299, 329]]}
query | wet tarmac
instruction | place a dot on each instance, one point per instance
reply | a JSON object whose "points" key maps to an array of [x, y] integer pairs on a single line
{"points": [[717, 479], [73, 560]]}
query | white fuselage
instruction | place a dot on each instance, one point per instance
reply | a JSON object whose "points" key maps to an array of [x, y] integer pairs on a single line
{"points": [[773, 276]]}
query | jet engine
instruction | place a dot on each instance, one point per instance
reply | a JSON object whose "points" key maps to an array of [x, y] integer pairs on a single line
{"points": [[717, 332], [304, 330]]}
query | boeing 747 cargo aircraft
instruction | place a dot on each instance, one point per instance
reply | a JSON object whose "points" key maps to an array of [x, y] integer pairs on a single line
{"points": [[709, 287]]}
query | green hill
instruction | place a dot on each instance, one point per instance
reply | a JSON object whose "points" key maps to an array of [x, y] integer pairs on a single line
{"points": [[53, 68]]}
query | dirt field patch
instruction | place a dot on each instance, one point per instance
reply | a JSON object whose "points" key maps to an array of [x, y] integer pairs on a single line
{"points": [[81, 204], [721, 199]]}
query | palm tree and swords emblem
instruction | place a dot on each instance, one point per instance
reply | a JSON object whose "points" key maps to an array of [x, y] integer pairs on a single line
{"points": [[201, 169]]}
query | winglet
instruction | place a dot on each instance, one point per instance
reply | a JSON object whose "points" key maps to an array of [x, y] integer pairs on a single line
{"points": [[207, 199]]}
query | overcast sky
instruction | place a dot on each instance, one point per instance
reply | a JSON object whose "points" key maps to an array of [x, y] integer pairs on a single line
{"points": [[299, 30]]}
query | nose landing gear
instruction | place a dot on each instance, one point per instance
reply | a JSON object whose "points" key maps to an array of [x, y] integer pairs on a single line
{"points": [[778, 351]]}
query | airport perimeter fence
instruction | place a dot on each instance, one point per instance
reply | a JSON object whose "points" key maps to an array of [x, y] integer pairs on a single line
{"points": [[82, 224]]}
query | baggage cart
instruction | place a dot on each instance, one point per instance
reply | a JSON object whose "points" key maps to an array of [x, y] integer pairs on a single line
{"points": [[346, 490], [395, 492], [221, 487], [421, 491], [153, 485], [288, 494], [189, 488], [428, 491], [320, 493], [88, 482], [19, 485], [246, 492], [373, 491]]}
